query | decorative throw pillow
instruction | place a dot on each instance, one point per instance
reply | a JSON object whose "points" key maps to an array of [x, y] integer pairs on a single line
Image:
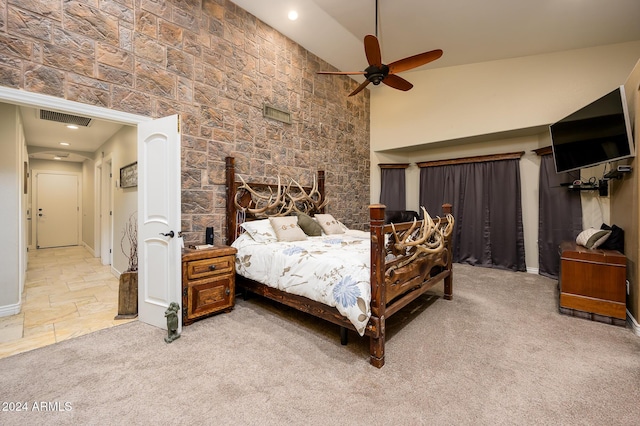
{"points": [[592, 238], [308, 225], [329, 224], [260, 230], [287, 229], [615, 240]]}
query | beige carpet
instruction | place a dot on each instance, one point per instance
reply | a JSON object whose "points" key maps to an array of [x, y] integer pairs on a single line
{"points": [[499, 353]]}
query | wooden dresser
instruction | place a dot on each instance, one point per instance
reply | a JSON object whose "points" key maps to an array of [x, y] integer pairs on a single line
{"points": [[593, 283], [208, 282]]}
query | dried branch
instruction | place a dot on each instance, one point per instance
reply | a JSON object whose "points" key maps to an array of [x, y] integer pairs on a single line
{"points": [[130, 234]]}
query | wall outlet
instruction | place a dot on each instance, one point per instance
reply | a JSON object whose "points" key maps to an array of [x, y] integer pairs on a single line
{"points": [[627, 287]]}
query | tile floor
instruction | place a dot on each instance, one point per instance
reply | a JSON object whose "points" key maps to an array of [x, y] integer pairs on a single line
{"points": [[67, 293]]}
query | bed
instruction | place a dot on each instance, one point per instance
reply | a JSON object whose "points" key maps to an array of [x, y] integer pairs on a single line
{"points": [[385, 269]]}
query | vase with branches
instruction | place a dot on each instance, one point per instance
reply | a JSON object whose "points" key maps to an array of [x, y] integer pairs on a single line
{"points": [[128, 290], [130, 239]]}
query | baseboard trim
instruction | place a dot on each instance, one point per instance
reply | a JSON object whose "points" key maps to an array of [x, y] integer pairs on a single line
{"points": [[533, 270], [633, 324], [9, 310], [115, 272], [89, 249]]}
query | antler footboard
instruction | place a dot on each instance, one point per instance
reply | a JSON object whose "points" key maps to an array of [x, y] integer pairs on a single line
{"points": [[407, 259]]}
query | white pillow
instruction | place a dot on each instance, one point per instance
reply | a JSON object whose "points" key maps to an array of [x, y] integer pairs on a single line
{"points": [[592, 238], [287, 228], [329, 224], [260, 230]]}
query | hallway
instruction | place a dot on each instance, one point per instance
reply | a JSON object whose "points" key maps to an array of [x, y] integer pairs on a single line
{"points": [[67, 293]]}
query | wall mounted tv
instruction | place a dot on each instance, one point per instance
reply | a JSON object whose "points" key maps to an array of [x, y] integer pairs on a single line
{"points": [[597, 133]]}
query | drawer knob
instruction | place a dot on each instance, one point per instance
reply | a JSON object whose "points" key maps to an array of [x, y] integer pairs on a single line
{"points": [[212, 267], [227, 291]]}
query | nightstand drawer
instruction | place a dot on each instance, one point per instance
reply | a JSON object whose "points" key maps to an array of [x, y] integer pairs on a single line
{"points": [[205, 268]]}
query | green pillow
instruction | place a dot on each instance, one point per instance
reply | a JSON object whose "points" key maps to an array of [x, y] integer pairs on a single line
{"points": [[309, 225]]}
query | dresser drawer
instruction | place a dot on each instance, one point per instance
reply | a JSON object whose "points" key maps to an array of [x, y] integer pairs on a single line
{"points": [[205, 268]]}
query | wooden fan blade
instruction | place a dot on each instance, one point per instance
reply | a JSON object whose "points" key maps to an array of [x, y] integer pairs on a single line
{"points": [[372, 50], [414, 61], [359, 89], [342, 72], [397, 82]]}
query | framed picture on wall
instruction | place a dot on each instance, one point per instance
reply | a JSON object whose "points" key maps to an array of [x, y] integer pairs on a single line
{"points": [[129, 175]]}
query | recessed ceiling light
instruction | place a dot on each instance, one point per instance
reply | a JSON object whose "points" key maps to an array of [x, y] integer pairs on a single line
{"points": [[57, 158], [71, 126], [64, 143], [293, 15]]}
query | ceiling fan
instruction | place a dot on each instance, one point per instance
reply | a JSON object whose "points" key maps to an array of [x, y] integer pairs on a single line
{"points": [[378, 72]]}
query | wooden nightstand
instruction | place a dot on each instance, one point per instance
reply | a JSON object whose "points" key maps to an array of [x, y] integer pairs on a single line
{"points": [[208, 282]]}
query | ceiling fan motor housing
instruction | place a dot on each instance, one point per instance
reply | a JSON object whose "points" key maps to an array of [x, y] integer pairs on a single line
{"points": [[376, 74]]}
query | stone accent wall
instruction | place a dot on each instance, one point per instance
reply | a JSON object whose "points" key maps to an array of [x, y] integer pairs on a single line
{"points": [[215, 65]]}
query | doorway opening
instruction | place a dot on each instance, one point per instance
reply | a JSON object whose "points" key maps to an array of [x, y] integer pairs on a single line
{"points": [[61, 242]]}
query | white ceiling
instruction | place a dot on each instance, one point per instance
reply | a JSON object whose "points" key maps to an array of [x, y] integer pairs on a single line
{"points": [[44, 137], [468, 31]]}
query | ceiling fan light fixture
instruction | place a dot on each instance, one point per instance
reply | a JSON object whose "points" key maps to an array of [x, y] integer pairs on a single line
{"points": [[377, 72]]}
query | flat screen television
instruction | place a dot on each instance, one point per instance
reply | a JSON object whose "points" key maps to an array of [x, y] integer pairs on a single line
{"points": [[597, 133]]}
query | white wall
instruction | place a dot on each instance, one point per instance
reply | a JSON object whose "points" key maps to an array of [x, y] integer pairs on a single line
{"points": [[88, 205], [13, 212], [490, 108], [491, 97]]}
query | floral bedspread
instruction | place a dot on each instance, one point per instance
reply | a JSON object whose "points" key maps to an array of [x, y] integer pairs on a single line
{"points": [[331, 269]]}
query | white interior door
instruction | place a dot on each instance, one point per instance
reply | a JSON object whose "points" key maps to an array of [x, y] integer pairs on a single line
{"points": [[57, 210], [159, 245]]}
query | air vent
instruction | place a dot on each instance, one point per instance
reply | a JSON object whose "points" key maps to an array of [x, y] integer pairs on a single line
{"points": [[64, 118], [276, 114]]}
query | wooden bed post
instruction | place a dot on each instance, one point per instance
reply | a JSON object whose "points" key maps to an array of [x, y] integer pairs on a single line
{"points": [[321, 187], [230, 175], [448, 281], [378, 288]]}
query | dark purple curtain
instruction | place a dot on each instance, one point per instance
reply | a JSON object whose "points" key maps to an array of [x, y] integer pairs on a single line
{"points": [[487, 209], [560, 216], [392, 188]]}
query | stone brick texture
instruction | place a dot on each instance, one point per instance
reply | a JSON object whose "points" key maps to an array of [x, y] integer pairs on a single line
{"points": [[215, 65]]}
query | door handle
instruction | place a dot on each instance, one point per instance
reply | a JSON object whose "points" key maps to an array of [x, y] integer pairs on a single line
{"points": [[169, 234]]}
